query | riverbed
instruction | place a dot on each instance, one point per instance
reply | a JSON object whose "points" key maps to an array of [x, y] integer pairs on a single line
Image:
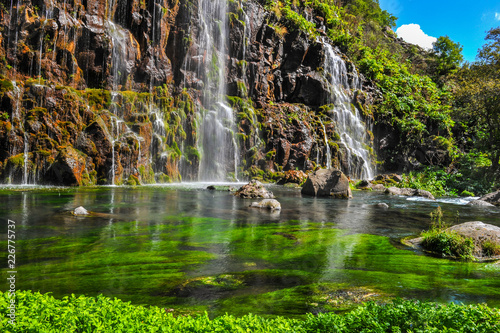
{"points": [[189, 249]]}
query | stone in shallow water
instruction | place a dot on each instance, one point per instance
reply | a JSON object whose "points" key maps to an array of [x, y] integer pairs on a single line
{"points": [[382, 205], [254, 189], [480, 203], [271, 204], [80, 211]]}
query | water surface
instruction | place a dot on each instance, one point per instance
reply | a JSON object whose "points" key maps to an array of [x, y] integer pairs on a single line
{"points": [[189, 249]]}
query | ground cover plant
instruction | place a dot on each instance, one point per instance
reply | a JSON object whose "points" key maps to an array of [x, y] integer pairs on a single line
{"points": [[37, 312]]}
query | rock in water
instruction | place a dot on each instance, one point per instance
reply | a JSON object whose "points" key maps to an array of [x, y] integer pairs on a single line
{"points": [[492, 198], [409, 192], [80, 211], [254, 189], [382, 205], [327, 182], [271, 204], [480, 203]]}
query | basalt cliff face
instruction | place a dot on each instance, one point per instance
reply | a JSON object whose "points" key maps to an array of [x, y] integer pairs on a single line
{"points": [[114, 92]]}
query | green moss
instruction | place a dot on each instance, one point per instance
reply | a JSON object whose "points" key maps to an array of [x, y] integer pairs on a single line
{"points": [[133, 180], [6, 85], [98, 98]]}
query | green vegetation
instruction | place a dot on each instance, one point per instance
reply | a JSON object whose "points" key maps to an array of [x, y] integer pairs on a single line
{"points": [[444, 242], [42, 313]]}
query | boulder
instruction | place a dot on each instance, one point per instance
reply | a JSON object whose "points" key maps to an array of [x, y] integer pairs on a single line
{"points": [[80, 211], [254, 189], [271, 204], [492, 198], [327, 182], [382, 205], [378, 187], [480, 203], [409, 192]]}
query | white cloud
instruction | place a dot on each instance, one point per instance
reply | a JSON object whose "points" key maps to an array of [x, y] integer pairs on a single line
{"points": [[412, 33], [497, 16]]}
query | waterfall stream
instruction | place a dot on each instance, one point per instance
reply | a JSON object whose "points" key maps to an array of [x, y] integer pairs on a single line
{"points": [[349, 125]]}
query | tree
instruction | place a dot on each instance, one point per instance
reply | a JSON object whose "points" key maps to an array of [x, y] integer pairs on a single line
{"points": [[449, 55], [489, 54], [478, 98]]}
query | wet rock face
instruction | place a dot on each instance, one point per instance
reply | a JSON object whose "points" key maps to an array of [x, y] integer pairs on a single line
{"points": [[68, 168], [83, 71]]}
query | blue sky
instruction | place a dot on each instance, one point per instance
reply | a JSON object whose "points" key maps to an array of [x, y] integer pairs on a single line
{"points": [[465, 22]]}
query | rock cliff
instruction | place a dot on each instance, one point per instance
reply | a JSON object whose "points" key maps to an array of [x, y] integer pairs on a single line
{"points": [[114, 92]]}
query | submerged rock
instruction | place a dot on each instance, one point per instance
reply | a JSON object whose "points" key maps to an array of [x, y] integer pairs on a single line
{"points": [[254, 189], [80, 211], [409, 192], [382, 205], [327, 182], [271, 204]]}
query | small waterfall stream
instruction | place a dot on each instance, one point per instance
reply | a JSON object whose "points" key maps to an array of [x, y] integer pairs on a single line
{"points": [[352, 130], [327, 145]]}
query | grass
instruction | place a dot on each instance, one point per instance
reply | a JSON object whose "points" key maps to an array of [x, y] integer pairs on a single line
{"points": [[37, 312]]}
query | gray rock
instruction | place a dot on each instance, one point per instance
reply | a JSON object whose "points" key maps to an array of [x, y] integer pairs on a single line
{"points": [[478, 231], [254, 189], [271, 204], [382, 205], [480, 203], [492, 198], [379, 187], [80, 211], [409, 192], [327, 182]]}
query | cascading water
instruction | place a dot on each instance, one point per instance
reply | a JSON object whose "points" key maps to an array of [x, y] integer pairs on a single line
{"points": [[219, 151], [26, 161], [328, 153], [352, 130]]}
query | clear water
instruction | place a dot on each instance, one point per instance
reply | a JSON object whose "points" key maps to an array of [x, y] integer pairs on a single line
{"points": [[185, 248]]}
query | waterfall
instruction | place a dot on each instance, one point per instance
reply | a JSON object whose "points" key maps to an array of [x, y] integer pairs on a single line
{"points": [[217, 144], [350, 127], [26, 160], [112, 171], [327, 145]]}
